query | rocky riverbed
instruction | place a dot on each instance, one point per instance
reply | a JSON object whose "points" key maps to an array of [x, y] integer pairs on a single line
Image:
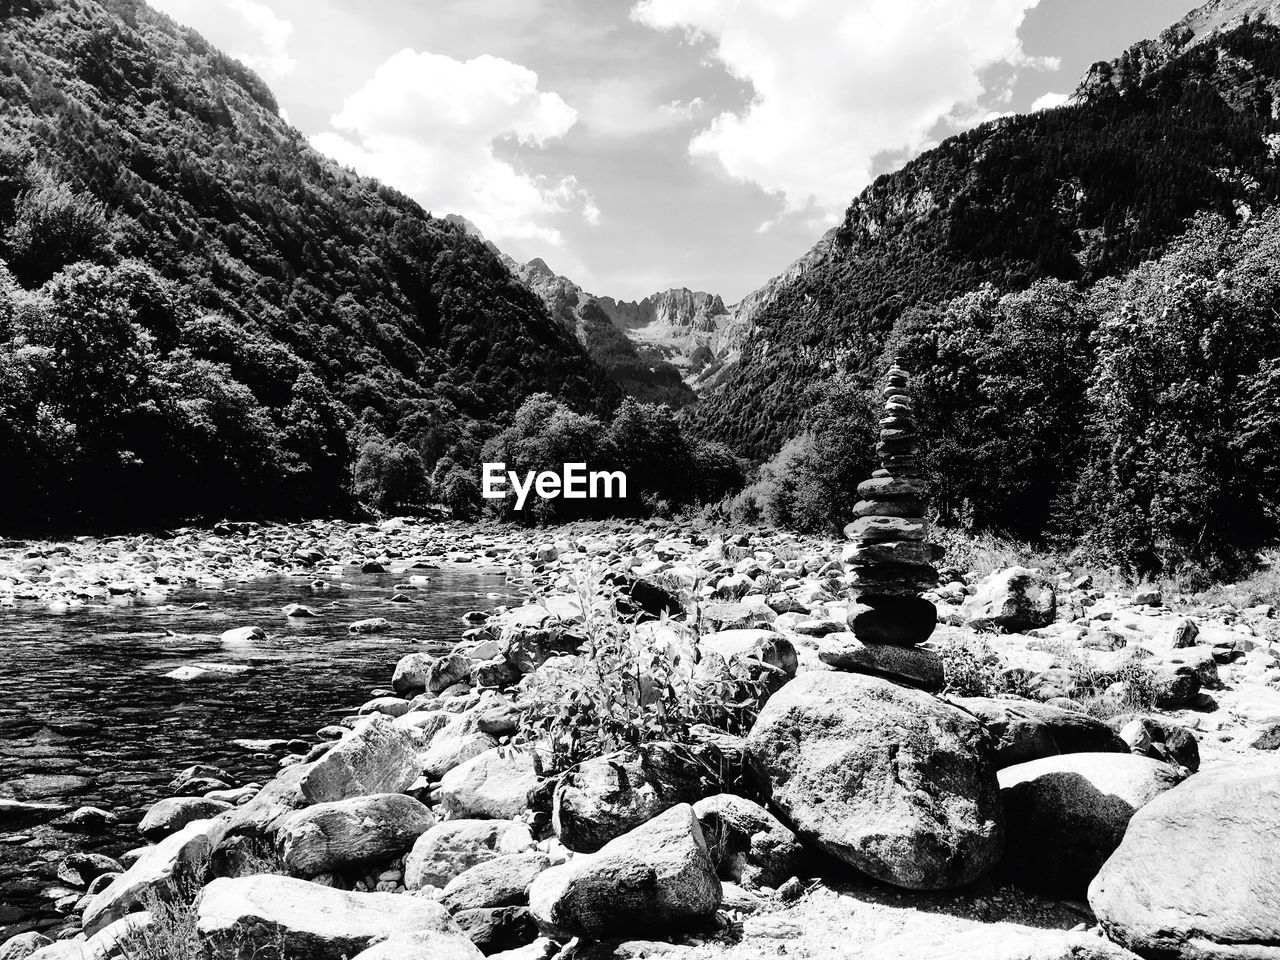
{"points": [[1053, 755]]}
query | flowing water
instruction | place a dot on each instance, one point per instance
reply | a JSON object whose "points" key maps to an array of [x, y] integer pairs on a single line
{"points": [[87, 717]]}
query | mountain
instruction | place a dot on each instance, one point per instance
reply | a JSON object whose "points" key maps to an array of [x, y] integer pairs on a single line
{"points": [[276, 321], [1173, 128], [636, 369]]}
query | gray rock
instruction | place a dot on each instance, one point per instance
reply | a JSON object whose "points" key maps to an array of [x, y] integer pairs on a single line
{"points": [[1023, 730], [748, 844], [604, 798], [23, 946], [1003, 941], [1159, 739], [1197, 875], [237, 917], [1065, 815], [653, 880], [422, 945], [496, 929], [165, 870], [377, 757], [501, 882], [887, 779], [493, 785], [917, 666], [1014, 599], [170, 815], [454, 846], [342, 834], [81, 869], [411, 672]]}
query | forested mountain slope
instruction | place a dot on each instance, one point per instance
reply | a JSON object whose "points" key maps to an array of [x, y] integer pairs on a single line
{"points": [[266, 314], [1169, 130]]}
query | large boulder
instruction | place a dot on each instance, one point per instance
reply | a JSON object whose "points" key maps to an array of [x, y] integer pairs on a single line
{"points": [[376, 757], [348, 833], [1014, 599], [888, 779], [501, 882], [173, 813], [451, 847], [493, 785], [167, 870], [603, 798], [1065, 815], [237, 917], [748, 844], [1023, 730], [1197, 875], [913, 665], [655, 879]]}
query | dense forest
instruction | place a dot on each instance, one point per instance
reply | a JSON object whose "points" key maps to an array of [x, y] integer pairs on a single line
{"points": [[199, 314]]}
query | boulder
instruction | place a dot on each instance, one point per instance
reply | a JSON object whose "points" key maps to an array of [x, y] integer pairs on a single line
{"points": [[164, 871], [493, 785], [454, 744], [172, 814], [887, 779], [237, 918], [341, 834], [423, 944], [899, 619], [376, 757], [23, 946], [748, 844], [1158, 738], [411, 673], [1023, 730], [500, 882], [81, 869], [603, 798], [1014, 599], [1197, 874], [1003, 941], [1065, 815], [454, 846], [653, 880], [917, 666]]}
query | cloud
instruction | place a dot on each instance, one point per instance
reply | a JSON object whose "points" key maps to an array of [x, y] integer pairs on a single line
{"points": [[1049, 101], [429, 125], [837, 83], [249, 31]]}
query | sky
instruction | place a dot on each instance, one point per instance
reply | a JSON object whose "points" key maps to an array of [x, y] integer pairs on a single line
{"points": [[637, 145]]}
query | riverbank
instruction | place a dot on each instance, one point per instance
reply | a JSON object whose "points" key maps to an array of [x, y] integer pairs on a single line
{"points": [[474, 763]]}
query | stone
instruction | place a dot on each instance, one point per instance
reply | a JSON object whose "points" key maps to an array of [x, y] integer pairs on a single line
{"points": [[877, 528], [81, 869], [1014, 599], [421, 945], [1022, 730], [376, 757], [240, 636], [1001, 941], [500, 882], [371, 625], [887, 779], [454, 846], [1197, 874], [23, 946], [1158, 738], [297, 610], [410, 676], [1065, 815], [172, 814], [893, 488], [655, 879], [605, 797], [164, 871], [493, 785], [902, 620], [446, 671], [865, 553], [916, 666], [748, 845], [341, 834], [909, 507], [236, 917]]}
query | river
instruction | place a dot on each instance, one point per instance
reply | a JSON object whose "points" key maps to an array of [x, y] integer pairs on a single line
{"points": [[87, 717]]}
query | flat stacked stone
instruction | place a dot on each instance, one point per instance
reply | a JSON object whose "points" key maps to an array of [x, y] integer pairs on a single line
{"points": [[890, 554]]}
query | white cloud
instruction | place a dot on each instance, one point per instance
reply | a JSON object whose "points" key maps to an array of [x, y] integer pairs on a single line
{"points": [[1049, 101], [837, 82], [428, 125], [248, 30]]}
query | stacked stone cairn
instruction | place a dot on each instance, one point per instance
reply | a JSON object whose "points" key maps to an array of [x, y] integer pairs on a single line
{"points": [[890, 554]]}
